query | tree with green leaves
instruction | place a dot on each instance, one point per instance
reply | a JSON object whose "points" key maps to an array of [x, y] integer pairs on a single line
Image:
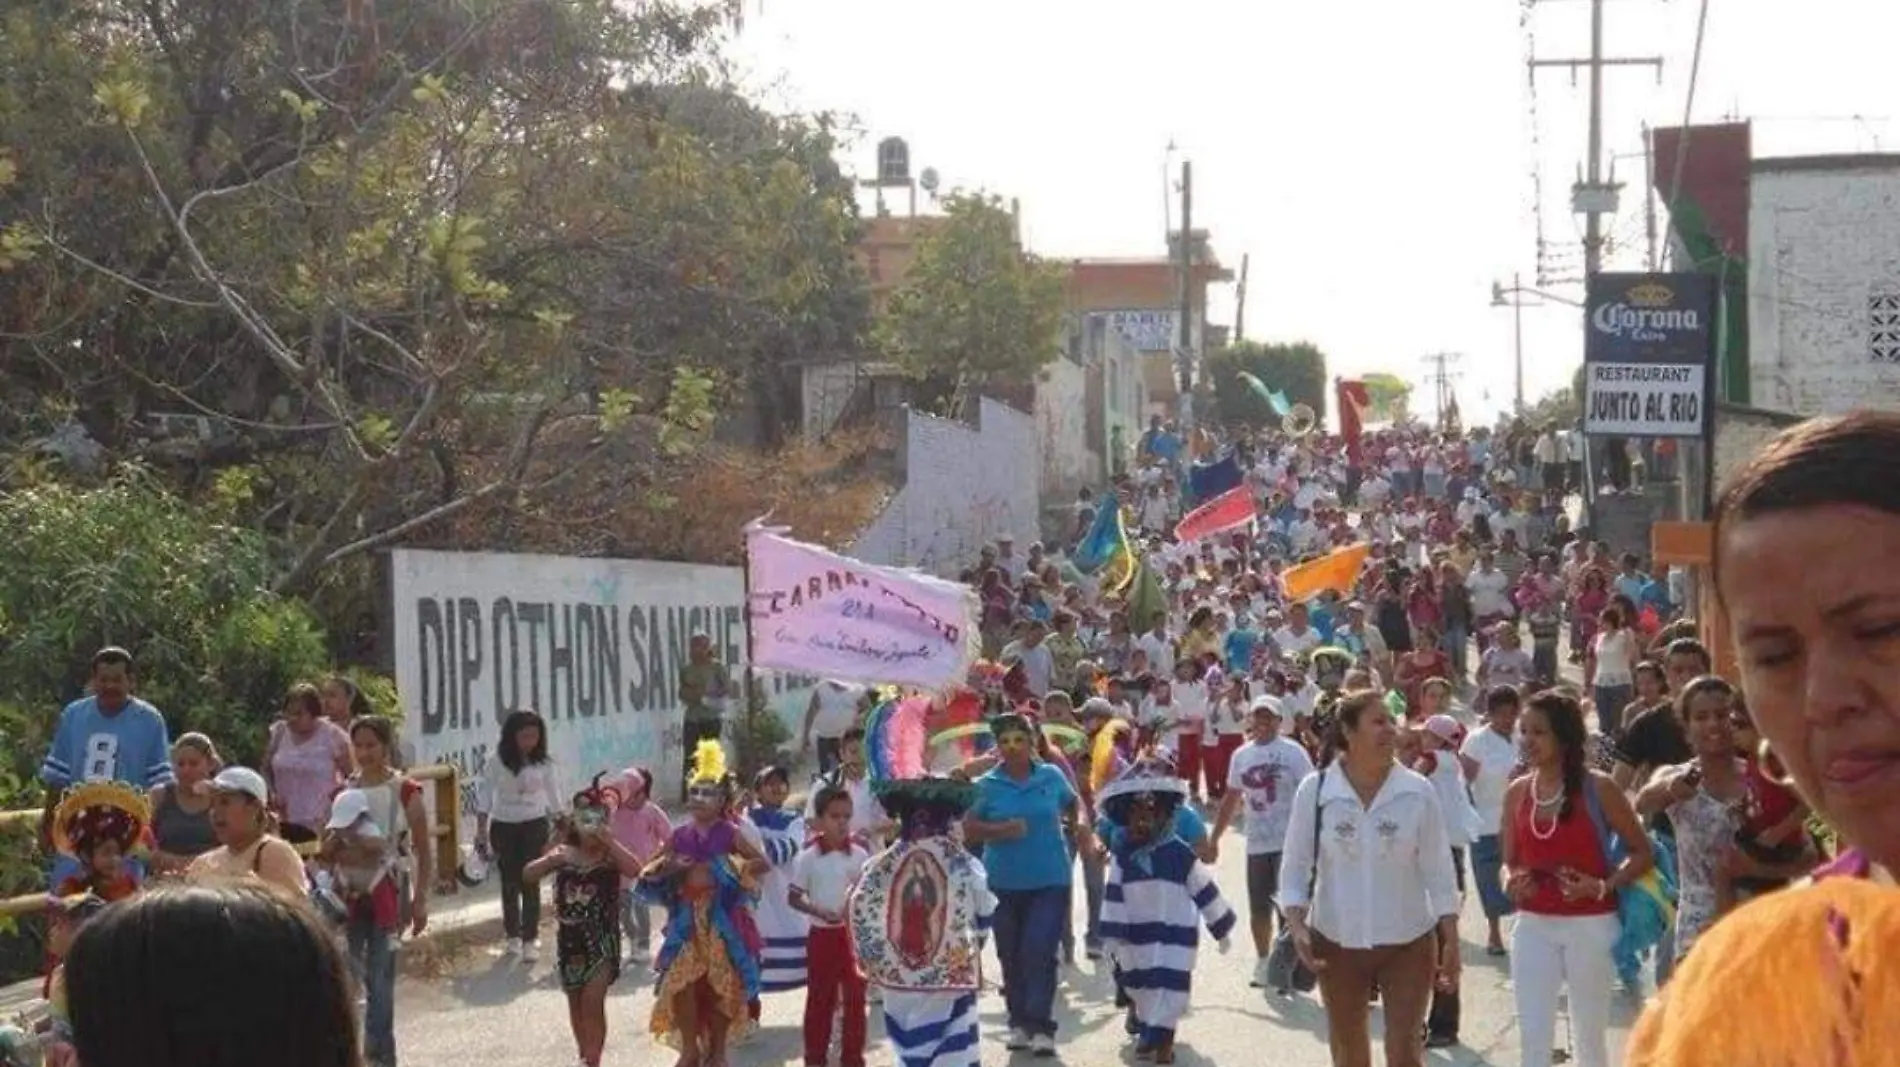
{"points": [[407, 262], [1297, 370], [974, 311]]}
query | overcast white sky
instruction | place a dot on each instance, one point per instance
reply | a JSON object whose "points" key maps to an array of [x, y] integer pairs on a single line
{"points": [[1375, 157]]}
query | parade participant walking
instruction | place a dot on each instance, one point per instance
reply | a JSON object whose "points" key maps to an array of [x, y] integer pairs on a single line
{"points": [[1262, 777], [1368, 888], [642, 829], [181, 811], [1558, 872], [518, 798], [1490, 758], [822, 879], [1024, 814], [1157, 897], [783, 929], [587, 865], [240, 816], [107, 736], [305, 761]]}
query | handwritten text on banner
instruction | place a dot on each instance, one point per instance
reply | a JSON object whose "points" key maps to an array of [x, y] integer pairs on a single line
{"points": [[825, 614]]}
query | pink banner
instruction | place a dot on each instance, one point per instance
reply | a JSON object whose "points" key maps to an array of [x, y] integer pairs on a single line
{"points": [[816, 612]]}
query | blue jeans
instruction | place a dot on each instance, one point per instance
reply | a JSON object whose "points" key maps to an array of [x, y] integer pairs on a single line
{"points": [[1094, 877], [1487, 867], [373, 954], [1028, 926], [1457, 645], [1611, 700]]}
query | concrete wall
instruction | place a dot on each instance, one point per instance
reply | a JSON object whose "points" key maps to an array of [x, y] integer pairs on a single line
{"points": [[963, 486], [1824, 284], [1069, 459], [1741, 432]]}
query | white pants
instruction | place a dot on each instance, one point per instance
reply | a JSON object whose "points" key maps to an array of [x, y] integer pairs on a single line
{"points": [[1548, 954]]}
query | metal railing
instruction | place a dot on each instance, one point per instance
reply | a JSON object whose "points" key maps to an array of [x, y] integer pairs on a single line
{"points": [[446, 830]]}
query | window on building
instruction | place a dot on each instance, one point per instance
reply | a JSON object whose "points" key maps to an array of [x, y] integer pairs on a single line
{"points": [[1883, 325]]}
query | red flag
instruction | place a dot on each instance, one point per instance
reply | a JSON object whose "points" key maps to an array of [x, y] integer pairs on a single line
{"points": [[1217, 516], [1353, 402]]}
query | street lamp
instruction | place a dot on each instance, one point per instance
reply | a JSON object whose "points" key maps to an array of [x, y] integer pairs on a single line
{"points": [[1512, 296]]}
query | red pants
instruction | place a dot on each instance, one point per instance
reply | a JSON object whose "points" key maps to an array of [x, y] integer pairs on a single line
{"points": [[1216, 759], [831, 970], [1187, 760]]}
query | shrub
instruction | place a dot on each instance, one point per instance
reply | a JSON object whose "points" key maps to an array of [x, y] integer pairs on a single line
{"points": [[129, 563]]}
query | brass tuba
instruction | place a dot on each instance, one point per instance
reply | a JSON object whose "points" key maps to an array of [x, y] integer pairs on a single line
{"points": [[1300, 421]]}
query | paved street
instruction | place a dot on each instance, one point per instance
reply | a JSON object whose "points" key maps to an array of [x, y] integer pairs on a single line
{"points": [[501, 1015]]}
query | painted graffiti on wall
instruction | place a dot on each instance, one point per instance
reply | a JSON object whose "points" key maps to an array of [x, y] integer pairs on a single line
{"points": [[594, 645]]}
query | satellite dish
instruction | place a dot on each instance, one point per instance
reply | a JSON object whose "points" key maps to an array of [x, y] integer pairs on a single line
{"points": [[930, 180]]}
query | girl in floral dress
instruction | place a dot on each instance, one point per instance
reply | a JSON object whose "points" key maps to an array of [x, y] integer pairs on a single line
{"points": [[587, 866]]}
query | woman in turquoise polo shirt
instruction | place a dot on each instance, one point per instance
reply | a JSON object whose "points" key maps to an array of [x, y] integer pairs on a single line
{"points": [[1024, 817]]}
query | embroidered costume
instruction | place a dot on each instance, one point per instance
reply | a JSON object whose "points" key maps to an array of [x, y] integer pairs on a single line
{"points": [[1156, 897], [782, 931], [703, 948], [922, 907]]}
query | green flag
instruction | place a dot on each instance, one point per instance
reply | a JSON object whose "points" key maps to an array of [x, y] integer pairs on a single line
{"points": [[1145, 597]]}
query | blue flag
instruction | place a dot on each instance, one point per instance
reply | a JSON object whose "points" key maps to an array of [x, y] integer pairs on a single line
{"points": [[1209, 480], [1106, 541]]}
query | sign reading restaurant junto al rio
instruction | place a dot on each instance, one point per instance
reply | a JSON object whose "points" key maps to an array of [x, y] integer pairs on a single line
{"points": [[1648, 352]]}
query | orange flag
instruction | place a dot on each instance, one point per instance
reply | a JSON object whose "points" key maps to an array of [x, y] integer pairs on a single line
{"points": [[1335, 570]]}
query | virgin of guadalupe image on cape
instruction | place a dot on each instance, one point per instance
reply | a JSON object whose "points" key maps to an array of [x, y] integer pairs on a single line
{"points": [[917, 925], [921, 909]]}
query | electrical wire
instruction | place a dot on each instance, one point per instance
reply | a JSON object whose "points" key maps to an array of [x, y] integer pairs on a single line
{"points": [[1688, 105]]}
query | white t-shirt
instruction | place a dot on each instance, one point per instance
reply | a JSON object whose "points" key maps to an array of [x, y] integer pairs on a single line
{"points": [[1616, 658], [1266, 775], [1291, 644], [837, 708], [1495, 757], [1224, 718], [1160, 653], [1301, 701], [1190, 710], [826, 878], [1490, 592], [1448, 781]]}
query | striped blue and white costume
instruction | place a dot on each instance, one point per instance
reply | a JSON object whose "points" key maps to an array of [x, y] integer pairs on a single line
{"points": [[783, 931], [1154, 901]]}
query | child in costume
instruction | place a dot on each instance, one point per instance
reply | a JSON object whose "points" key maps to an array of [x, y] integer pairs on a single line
{"points": [[587, 865], [782, 929], [101, 826], [1158, 894], [922, 907], [705, 878]]}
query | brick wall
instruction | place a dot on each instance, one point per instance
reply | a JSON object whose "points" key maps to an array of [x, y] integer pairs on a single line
{"points": [[1824, 279], [963, 486]]}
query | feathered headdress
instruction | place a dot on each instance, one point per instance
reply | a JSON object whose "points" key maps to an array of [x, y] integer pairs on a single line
{"points": [[1103, 763], [709, 763], [96, 812]]}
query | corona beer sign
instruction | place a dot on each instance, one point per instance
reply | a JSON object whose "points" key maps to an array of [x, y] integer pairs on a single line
{"points": [[1649, 343]]}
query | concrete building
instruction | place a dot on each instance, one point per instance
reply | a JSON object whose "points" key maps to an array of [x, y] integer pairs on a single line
{"points": [[1140, 299], [1824, 283]]}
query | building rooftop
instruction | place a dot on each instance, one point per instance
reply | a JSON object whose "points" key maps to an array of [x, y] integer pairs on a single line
{"points": [[1850, 161]]}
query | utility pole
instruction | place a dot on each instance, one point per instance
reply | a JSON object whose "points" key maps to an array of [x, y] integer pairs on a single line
{"points": [[1517, 345], [1592, 197], [1240, 302], [1184, 354], [1441, 377]]}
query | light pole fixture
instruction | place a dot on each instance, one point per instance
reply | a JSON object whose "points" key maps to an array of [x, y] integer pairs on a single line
{"points": [[1512, 296]]}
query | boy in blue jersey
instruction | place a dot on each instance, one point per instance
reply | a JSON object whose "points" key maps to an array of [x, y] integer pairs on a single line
{"points": [[108, 736]]}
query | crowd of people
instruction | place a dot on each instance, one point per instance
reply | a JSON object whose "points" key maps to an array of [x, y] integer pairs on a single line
{"points": [[1487, 700]]}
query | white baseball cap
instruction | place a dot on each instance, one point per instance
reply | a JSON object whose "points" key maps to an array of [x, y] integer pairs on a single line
{"points": [[242, 780], [349, 806]]}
